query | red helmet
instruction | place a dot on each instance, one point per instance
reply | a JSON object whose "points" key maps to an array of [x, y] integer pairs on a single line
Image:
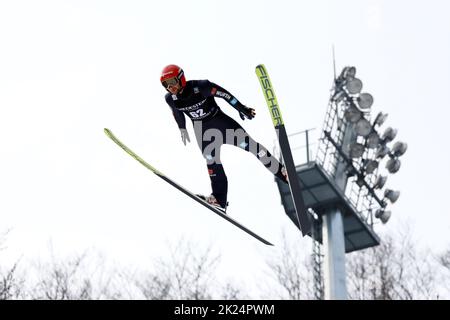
{"points": [[172, 72]]}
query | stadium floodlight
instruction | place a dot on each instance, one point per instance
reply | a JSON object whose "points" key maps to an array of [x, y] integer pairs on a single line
{"points": [[382, 151], [363, 127], [365, 101], [380, 182], [399, 148], [370, 166], [352, 114], [356, 150], [389, 134], [373, 140], [383, 215], [391, 195], [380, 119], [393, 165], [354, 86], [348, 73]]}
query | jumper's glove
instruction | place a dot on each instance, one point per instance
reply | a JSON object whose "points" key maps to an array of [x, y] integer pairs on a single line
{"points": [[246, 112], [184, 136]]}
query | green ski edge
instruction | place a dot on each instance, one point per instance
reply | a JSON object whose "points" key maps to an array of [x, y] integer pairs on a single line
{"points": [[130, 152], [182, 189]]}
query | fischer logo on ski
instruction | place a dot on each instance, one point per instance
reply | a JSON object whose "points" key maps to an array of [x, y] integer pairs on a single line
{"points": [[294, 184], [269, 94]]}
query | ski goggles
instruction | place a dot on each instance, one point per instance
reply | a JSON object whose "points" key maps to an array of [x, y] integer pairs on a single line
{"points": [[170, 82]]}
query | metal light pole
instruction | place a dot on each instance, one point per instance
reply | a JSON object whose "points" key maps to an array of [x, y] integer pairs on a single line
{"points": [[341, 185], [333, 236]]}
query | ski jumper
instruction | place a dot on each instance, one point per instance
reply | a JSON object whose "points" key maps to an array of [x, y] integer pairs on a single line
{"points": [[213, 128]]}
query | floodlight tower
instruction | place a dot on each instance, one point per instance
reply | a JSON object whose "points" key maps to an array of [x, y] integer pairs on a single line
{"points": [[342, 186]]}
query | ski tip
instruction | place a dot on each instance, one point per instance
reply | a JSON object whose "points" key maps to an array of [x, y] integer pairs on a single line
{"points": [[260, 67], [107, 131]]}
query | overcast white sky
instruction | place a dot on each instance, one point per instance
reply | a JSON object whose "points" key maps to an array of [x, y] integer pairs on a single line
{"points": [[70, 68]]}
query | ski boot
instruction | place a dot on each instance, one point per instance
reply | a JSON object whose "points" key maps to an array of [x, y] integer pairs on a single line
{"points": [[285, 176], [213, 202]]}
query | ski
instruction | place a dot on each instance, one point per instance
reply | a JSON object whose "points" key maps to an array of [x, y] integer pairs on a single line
{"points": [[294, 184], [182, 189]]}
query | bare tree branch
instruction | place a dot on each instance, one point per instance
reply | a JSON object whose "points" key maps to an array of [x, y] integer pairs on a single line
{"points": [[291, 272], [11, 285], [396, 269], [187, 274]]}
